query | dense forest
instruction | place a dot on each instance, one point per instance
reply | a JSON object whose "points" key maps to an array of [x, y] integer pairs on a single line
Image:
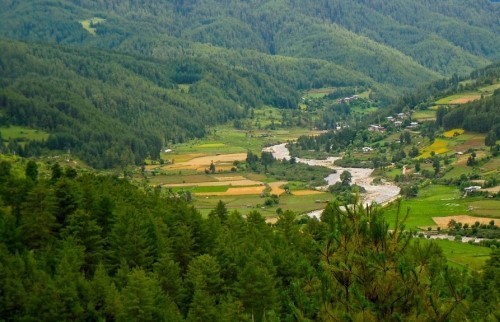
{"points": [[480, 116], [401, 43], [88, 247], [114, 110]]}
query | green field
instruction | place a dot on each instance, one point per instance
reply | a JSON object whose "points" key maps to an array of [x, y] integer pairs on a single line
{"points": [[454, 98], [226, 139], [246, 203], [319, 92], [22, 133], [441, 201], [89, 24], [424, 115], [462, 255], [486, 208], [490, 88], [432, 201], [202, 189], [457, 171]]}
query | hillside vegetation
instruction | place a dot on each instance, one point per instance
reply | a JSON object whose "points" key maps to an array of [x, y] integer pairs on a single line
{"points": [[112, 109], [115, 81], [88, 247], [400, 43]]}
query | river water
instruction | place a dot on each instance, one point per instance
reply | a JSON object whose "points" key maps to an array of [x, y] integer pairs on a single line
{"points": [[380, 194]]}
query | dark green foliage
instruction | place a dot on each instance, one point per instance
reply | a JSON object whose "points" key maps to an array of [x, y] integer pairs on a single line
{"points": [[307, 45], [130, 255], [490, 139], [480, 116], [115, 110], [32, 170]]}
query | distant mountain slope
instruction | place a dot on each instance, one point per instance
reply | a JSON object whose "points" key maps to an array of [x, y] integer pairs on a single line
{"points": [[114, 109], [398, 44]]}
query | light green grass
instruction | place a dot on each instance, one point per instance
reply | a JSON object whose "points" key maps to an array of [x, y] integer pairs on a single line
{"points": [[432, 201], [461, 255], [424, 115], [365, 94], [319, 92], [184, 87], [360, 110], [226, 139], [489, 89], [89, 23], [244, 204], [176, 178], [451, 98], [23, 133], [464, 255], [486, 208], [202, 189], [457, 171]]}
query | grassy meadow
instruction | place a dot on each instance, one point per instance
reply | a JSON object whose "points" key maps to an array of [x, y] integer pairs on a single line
{"points": [[89, 24], [22, 134], [462, 255]]}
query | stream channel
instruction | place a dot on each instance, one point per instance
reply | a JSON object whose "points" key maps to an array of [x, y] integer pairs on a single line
{"points": [[381, 194]]}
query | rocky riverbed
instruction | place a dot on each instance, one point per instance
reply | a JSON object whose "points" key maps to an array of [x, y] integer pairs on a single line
{"points": [[381, 194]]}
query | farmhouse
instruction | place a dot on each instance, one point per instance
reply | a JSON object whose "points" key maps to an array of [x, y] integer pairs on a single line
{"points": [[398, 123], [348, 99], [413, 125], [472, 189], [376, 128], [367, 149]]}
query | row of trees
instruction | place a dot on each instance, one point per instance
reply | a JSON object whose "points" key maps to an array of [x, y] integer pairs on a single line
{"points": [[88, 247]]}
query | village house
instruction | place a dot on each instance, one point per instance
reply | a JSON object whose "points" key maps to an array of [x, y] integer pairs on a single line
{"points": [[413, 125], [376, 128], [472, 189]]}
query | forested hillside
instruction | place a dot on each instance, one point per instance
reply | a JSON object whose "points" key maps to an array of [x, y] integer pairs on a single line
{"points": [[86, 248], [114, 81], [400, 43], [114, 110]]}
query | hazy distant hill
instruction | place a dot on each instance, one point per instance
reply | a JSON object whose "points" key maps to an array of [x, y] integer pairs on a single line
{"points": [[398, 43]]}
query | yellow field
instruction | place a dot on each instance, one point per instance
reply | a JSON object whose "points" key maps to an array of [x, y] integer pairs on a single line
{"points": [[210, 145], [439, 147], [236, 191], [199, 163], [276, 187], [464, 219], [453, 132], [306, 192]]}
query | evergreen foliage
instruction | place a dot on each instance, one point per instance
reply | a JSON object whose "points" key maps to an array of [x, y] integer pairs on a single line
{"points": [[114, 110], [131, 255]]}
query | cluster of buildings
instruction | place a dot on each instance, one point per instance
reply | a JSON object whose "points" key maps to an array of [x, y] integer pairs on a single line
{"points": [[348, 99], [397, 120]]}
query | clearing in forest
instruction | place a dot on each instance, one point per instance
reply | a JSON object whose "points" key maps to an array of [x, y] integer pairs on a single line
{"points": [[89, 24], [458, 99]]}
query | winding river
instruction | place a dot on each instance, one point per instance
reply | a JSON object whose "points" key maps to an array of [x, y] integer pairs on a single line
{"points": [[381, 194]]}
